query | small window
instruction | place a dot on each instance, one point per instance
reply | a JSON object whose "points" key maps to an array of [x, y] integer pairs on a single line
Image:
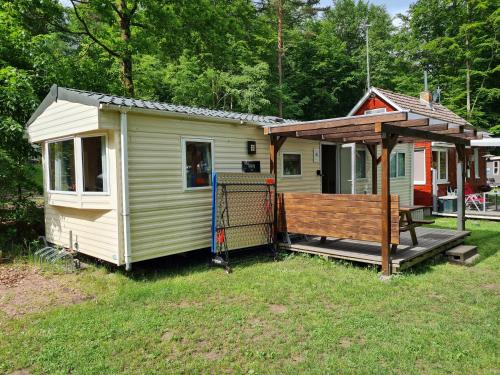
{"points": [[375, 110], [419, 167], [94, 164], [360, 164], [440, 164], [62, 165], [198, 163], [292, 164], [397, 168], [496, 167]]}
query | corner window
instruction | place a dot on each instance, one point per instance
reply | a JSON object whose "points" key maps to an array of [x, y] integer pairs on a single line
{"points": [[360, 164], [398, 160], [419, 167], [197, 162], [292, 164], [440, 164], [61, 160], [94, 164]]}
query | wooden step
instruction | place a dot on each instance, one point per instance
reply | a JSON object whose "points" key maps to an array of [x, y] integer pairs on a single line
{"points": [[461, 253], [471, 260]]}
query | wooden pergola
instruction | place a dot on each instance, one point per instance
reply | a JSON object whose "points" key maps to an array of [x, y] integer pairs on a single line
{"points": [[386, 130]]}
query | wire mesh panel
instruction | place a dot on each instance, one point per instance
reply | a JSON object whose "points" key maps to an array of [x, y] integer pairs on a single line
{"points": [[242, 211]]}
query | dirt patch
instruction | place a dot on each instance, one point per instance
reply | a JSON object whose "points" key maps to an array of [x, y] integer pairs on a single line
{"points": [[21, 372], [494, 287], [189, 304], [24, 290], [347, 342], [278, 309]]}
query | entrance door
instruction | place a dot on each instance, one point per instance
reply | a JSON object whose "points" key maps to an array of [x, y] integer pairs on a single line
{"points": [[328, 169]]}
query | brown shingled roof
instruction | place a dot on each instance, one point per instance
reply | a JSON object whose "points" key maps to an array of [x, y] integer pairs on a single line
{"points": [[438, 111]]}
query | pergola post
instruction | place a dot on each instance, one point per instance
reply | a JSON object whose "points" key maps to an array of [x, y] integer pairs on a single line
{"points": [[460, 187], [386, 206], [274, 146]]}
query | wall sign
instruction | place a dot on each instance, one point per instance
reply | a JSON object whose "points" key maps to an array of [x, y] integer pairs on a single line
{"points": [[316, 155], [250, 166]]}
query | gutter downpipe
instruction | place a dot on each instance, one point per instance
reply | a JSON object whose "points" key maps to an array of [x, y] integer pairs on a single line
{"points": [[125, 195]]}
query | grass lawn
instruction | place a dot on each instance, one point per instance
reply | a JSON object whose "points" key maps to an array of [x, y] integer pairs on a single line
{"points": [[302, 314]]}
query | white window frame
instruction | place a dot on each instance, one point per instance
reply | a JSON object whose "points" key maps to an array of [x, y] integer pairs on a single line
{"points": [[283, 164], [375, 110], [476, 163], [496, 166], [80, 152], [364, 161], [438, 174], [397, 162], [47, 164], [415, 182], [184, 140]]}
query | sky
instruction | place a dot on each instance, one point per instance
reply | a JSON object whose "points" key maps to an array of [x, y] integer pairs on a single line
{"points": [[393, 6]]}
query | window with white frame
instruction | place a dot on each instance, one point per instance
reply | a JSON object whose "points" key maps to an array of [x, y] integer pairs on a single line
{"points": [[397, 161], [197, 163], [496, 167], [419, 167], [94, 164], [440, 164], [292, 164], [375, 110], [61, 164], [476, 163], [360, 164]]}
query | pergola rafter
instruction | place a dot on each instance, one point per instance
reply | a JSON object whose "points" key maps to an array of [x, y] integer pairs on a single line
{"points": [[386, 130]]}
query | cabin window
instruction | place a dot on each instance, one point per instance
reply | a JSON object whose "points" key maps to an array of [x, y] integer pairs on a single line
{"points": [[440, 164], [496, 167], [62, 165], [292, 164], [94, 164], [397, 161], [375, 110], [419, 167], [198, 163], [360, 164]]}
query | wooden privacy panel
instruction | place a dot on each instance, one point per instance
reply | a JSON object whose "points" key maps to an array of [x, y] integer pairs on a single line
{"points": [[353, 216]]}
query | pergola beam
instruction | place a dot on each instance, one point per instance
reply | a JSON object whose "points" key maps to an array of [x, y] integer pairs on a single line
{"points": [[337, 122], [421, 134]]}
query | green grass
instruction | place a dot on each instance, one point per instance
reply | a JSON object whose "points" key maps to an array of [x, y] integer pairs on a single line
{"points": [[299, 315]]}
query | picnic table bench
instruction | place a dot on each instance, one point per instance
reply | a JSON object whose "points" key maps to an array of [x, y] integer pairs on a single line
{"points": [[408, 223]]}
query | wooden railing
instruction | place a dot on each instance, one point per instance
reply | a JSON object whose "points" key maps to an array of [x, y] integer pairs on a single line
{"points": [[352, 216]]}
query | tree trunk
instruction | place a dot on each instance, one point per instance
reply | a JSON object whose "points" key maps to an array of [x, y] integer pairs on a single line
{"points": [[280, 56], [126, 58], [467, 68]]}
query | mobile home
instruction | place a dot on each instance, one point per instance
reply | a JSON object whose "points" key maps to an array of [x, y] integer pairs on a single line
{"points": [[127, 180]]}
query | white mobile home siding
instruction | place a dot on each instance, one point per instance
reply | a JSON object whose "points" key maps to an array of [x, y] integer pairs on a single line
{"points": [[63, 118], [164, 218]]}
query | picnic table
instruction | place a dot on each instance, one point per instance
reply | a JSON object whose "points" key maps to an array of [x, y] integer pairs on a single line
{"points": [[408, 223]]}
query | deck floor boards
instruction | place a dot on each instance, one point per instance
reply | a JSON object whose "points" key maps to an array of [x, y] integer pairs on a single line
{"points": [[430, 241]]}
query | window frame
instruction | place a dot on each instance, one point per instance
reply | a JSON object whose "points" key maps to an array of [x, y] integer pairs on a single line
{"points": [[80, 151], [476, 163], [186, 139], [396, 153], [283, 164], [374, 111], [364, 162], [419, 182], [438, 170], [496, 165], [47, 165]]}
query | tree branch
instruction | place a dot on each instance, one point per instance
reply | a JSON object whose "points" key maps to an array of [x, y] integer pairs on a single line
{"points": [[89, 33]]}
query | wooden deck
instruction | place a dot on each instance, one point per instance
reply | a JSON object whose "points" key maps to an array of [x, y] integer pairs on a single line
{"points": [[431, 241]]}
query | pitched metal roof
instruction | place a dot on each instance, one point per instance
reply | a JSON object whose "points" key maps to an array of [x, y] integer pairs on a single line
{"points": [[412, 104], [98, 99]]}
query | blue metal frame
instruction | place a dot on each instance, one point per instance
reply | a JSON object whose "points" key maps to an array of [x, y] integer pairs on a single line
{"points": [[214, 211]]}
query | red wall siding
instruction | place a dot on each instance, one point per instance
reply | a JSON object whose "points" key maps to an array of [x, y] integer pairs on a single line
{"points": [[373, 103]]}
